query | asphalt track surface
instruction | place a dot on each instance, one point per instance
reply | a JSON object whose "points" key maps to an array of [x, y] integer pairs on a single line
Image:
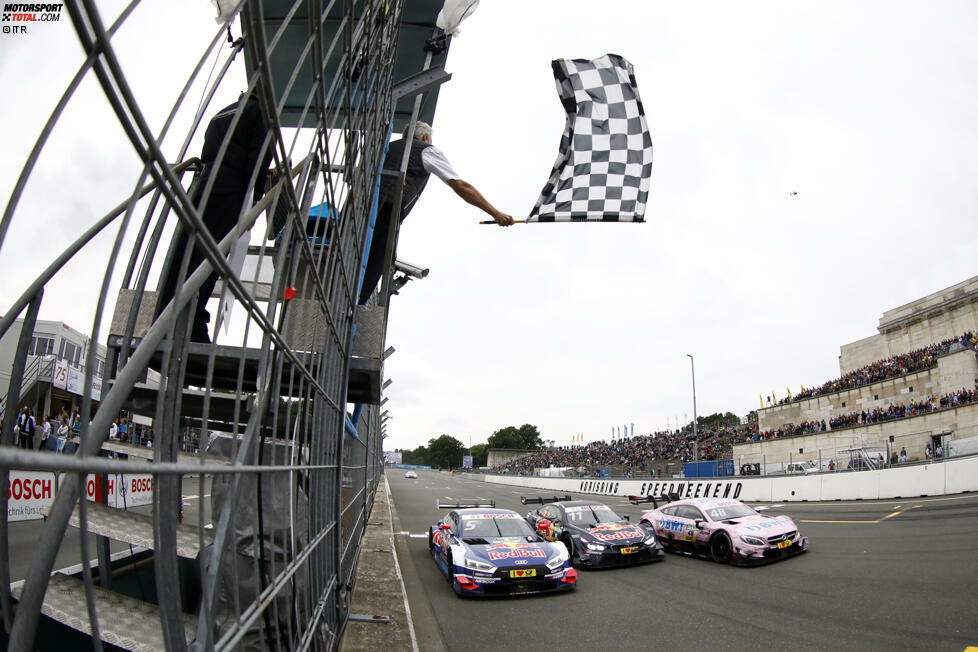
{"points": [[878, 575]]}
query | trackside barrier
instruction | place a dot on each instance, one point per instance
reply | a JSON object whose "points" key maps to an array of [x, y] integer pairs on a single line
{"points": [[951, 477], [29, 493]]}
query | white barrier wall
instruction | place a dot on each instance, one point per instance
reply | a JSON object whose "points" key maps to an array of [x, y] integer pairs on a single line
{"points": [[29, 492], [951, 477]]}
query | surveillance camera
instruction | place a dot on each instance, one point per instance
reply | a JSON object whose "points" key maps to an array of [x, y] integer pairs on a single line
{"points": [[410, 269]]}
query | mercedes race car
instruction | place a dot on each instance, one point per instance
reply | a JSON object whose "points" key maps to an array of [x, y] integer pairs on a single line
{"points": [[484, 551], [594, 534], [725, 530]]}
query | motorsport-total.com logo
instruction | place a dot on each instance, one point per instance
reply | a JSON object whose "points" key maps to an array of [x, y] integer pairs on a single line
{"points": [[20, 14]]}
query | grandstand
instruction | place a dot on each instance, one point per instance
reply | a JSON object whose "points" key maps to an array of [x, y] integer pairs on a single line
{"points": [[659, 454]]}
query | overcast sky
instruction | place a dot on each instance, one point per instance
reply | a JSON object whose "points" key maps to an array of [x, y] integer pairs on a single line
{"points": [[868, 110]]}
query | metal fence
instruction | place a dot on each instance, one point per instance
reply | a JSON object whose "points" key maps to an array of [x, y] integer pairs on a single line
{"points": [[290, 470]]}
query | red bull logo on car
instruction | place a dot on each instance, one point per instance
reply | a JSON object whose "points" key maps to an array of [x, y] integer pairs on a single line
{"points": [[612, 532], [514, 550]]}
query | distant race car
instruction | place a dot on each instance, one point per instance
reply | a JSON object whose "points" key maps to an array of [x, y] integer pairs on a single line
{"points": [[410, 474], [484, 551], [594, 534], [724, 530]]}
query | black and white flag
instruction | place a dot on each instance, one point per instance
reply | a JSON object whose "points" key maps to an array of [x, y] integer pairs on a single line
{"points": [[604, 168]]}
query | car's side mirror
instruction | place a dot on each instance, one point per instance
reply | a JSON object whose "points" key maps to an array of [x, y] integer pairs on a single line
{"points": [[699, 524], [627, 518], [445, 526]]}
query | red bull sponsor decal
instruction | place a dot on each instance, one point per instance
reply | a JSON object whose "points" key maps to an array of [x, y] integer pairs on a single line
{"points": [[615, 532], [514, 550]]}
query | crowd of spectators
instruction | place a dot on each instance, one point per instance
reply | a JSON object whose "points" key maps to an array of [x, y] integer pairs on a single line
{"points": [[884, 369], [635, 452], [876, 415], [714, 443], [895, 411]]}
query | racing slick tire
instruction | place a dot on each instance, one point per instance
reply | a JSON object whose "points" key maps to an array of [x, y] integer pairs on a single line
{"points": [[569, 544], [451, 576], [720, 548]]}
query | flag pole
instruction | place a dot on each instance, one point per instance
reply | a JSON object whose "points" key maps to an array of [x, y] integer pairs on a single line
{"points": [[494, 221]]}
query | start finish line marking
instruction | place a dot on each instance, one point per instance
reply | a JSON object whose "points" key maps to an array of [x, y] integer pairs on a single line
{"points": [[405, 533]]}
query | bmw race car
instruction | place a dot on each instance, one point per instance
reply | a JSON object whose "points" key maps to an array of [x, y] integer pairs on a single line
{"points": [[725, 530], [594, 534], [484, 551]]}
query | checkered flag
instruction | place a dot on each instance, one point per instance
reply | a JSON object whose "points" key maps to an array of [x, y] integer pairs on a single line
{"points": [[604, 167]]}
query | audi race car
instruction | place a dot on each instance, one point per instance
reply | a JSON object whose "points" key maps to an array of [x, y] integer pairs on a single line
{"points": [[594, 534], [725, 530], [484, 551]]}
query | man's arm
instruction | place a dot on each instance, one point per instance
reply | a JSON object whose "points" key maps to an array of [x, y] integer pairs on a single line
{"points": [[467, 191]]}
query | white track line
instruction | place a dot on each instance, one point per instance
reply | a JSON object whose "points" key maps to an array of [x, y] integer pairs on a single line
{"points": [[829, 503], [397, 568]]}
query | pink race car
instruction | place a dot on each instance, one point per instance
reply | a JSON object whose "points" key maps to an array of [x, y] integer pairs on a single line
{"points": [[725, 530]]}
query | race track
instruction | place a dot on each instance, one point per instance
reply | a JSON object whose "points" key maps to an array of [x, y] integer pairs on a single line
{"points": [[879, 575]]}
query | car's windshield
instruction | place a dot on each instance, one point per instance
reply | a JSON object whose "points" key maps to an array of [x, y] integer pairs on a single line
{"points": [[585, 515], [488, 526], [730, 511]]}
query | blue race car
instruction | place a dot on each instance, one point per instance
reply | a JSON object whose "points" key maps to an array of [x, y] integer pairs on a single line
{"points": [[483, 551]]}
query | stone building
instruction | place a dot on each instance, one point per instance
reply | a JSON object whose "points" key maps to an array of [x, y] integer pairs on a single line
{"points": [[939, 316], [912, 326]]}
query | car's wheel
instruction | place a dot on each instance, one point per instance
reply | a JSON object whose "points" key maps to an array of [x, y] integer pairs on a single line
{"points": [[451, 570], [721, 548], [569, 544]]}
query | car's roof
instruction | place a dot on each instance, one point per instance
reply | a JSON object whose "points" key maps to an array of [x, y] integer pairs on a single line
{"points": [[706, 503], [470, 511], [580, 503]]}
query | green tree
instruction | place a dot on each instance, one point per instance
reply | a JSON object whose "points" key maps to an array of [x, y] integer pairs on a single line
{"points": [[480, 455], [718, 419], [417, 457], [526, 437], [445, 452]]}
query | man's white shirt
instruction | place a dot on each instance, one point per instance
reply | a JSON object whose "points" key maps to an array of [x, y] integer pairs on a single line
{"points": [[435, 162]]}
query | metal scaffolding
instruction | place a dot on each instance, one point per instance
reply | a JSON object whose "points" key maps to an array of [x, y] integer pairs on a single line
{"points": [[280, 427]]}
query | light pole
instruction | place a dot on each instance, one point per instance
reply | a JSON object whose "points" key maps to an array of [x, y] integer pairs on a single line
{"points": [[692, 370]]}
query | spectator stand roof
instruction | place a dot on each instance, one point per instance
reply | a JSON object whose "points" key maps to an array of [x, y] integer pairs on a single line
{"points": [[417, 28]]}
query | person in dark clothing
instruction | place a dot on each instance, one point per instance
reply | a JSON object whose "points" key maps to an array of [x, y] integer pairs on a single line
{"points": [[231, 178], [26, 424], [425, 159]]}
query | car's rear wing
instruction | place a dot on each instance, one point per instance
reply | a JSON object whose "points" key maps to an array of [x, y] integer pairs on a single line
{"points": [[664, 498], [474, 502], [543, 501]]}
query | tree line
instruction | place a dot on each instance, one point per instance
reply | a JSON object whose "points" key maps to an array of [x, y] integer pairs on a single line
{"points": [[446, 451]]}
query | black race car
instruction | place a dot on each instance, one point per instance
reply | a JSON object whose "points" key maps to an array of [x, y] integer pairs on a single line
{"points": [[594, 534]]}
